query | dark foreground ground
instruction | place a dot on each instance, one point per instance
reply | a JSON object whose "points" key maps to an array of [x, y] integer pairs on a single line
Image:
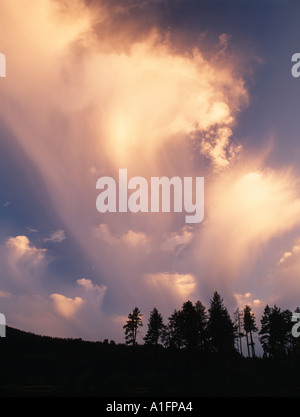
{"points": [[38, 366]]}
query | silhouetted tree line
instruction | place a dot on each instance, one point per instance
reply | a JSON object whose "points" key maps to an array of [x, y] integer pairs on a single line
{"points": [[196, 352], [196, 328]]}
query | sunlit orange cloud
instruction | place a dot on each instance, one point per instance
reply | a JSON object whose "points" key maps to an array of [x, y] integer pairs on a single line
{"points": [[95, 104], [247, 299], [32, 304], [246, 210], [21, 247], [80, 108], [179, 287], [66, 306], [23, 264]]}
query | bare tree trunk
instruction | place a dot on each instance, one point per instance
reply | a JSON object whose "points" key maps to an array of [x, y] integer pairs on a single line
{"points": [[248, 344], [252, 345]]}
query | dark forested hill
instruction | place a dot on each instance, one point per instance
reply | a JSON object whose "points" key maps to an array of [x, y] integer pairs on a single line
{"points": [[33, 365]]}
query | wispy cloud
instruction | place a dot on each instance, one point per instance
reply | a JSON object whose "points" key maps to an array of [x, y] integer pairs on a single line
{"points": [[56, 237]]}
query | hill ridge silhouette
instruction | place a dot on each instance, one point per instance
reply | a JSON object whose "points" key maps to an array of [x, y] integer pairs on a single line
{"points": [[39, 366]]}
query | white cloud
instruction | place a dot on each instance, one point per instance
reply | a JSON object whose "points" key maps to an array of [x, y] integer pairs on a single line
{"points": [[5, 294], [66, 306], [247, 299], [135, 238], [285, 277], [181, 286], [56, 237], [130, 238], [20, 246], [88, 285], [216, 145], [177, 241], [295, 249], [285, 256], [32, 230]]}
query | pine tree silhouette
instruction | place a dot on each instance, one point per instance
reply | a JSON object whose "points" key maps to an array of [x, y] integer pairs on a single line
{"points": [[155, 328], [250, 328], [275, 332], [220, 326], [131, 327]]}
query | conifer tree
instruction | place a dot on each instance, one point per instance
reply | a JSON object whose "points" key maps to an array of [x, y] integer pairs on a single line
{"points": [[275, 333], [189, 325], [173, 335], [131, 327], [155, 328], [238, 328], [249, 327], [264, 332], [220, 326], [202, 320]]}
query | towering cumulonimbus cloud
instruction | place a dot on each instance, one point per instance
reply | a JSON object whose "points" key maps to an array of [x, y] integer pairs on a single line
{"points": [[89, 90]]}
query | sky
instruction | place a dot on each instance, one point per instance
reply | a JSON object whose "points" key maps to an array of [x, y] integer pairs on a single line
{"points": [[161, 88]]}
